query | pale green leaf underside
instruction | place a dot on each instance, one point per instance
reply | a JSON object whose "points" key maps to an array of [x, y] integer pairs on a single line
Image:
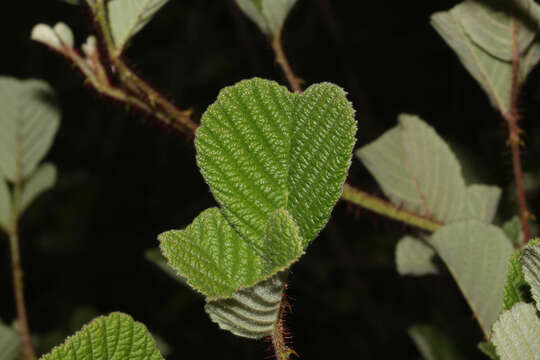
{"points": [[128, 17], [482, 202], [432, 343], [115, 337], [481, 41], [5, 204], [516, 288], [414, 257], [251, 312], [516, 334], [38, 182], [417, 170], [262, 148], [477, 256], [531, 269], [489, 25], [28, 123], [10, 343], [217, 261], [269, 15]]}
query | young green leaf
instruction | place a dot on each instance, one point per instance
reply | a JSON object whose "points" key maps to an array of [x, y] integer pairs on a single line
{"points": [[516, 288], [262, 148], [116, 336], [269, 15], [516, 334], [531, 269], [433, 344], [28, 123], [481, 32], [5, 205], [414, 257], [215, 259], [482, 202], [10, 343], [128, 17], [251, 312], [40, 181], [417, 170], [477, 256]]}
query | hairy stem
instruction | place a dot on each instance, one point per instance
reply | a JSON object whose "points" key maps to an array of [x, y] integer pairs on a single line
{"points": [[387, 209], [514, 141], [279, 343], [281, 59]]}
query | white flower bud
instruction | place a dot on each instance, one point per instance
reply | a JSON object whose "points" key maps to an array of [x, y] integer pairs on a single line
{"points": [[46, 35]]}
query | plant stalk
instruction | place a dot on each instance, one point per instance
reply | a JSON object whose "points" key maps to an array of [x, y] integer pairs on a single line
{"points": [[16, 264], [281, 59], [514, 140], [387, 209]]}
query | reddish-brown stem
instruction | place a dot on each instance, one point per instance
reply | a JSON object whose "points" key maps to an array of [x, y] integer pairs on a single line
{"points": [[514, 140]]}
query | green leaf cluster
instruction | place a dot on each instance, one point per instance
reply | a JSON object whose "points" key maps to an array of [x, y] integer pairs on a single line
{"points": [[28, 123], [275, 162]]}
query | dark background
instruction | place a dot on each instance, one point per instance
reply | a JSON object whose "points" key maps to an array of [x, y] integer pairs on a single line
{"points": [[123, 178]]}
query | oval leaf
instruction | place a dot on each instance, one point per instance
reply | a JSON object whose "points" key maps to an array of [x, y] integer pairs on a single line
{"points": [[10, 343], [128, 17], [5, 205], [516, 334], [116, 336], [40, 181], [414, 257], [477, 255], [28, 123], [269, 15], [417, 170]]}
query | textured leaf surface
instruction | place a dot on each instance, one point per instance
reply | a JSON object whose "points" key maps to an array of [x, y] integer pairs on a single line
{"points": [[40, 181], [516, 334], [251, 312], [262, 148], [28, 122], [128, 17], [414, 257], [5, 204], [116, 336], [482, 39], [531, 269], [10, 343], [432, 343], [417, 170], [516, 288], [477, 255], [217, 261], [269, 15], [482, 202], [155, 256]]}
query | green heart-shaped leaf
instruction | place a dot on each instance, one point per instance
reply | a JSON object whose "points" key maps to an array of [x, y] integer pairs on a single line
{"points": [[114, 337], [276, 163]]}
